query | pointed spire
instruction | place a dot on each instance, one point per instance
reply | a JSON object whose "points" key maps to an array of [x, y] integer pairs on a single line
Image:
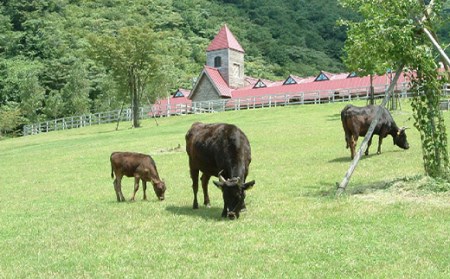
{"points": [[223, 40]]}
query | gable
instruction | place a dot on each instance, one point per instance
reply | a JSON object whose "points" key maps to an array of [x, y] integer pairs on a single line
{"points": [[289, 80], [178, 94], [260, 84], [352, 74], [204, 90], [321, 77]]}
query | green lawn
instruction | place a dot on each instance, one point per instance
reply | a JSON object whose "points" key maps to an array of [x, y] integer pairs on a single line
{"points": [[59, 216]]}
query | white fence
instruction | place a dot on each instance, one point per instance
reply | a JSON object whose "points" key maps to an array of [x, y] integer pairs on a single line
{"points": [[301, 98]]}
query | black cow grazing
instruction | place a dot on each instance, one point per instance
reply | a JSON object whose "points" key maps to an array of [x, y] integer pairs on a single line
{"points": [[356, 122], [137, 165], [220, 150]]}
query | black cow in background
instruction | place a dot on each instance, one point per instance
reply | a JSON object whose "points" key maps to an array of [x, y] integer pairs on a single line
{"points": [[356, 122], [220, 150]]}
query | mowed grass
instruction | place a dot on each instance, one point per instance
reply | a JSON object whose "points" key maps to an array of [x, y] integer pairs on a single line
{"points": [[59, 217]]}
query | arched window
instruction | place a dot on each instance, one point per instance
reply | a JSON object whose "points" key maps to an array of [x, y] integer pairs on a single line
{"points": [[217, 62]]}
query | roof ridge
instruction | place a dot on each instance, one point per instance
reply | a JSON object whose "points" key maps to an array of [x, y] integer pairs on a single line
{"points": [[223, 40]]}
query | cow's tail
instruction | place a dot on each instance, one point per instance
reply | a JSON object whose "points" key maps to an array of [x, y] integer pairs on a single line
{"points": [[112, 172]]}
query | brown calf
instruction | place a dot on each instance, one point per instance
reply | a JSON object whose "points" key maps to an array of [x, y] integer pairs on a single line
{"points": [[137, 165]]}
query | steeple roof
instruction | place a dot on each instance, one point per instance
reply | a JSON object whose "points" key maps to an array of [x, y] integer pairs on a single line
{"points": [[223, 40]]}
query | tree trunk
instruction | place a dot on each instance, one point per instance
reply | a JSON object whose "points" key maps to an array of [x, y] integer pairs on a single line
{"points": [[134, 97]]}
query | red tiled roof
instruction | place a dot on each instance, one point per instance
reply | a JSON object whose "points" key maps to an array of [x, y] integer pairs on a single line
{"points": [[218, 81], [339, 82], [223, 40]]}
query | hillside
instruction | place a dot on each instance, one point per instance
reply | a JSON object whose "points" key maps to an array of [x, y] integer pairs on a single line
{"points": [[46, 72], [43, 49]]}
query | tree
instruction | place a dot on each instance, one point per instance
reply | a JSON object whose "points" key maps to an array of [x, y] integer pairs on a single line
{"points": [[21, 85], [136, 58], [10, 118], [392, 34]]}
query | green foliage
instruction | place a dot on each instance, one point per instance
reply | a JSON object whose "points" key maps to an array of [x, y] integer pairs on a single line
{"points": [[390, 35], [136, 58], [10, 118]]}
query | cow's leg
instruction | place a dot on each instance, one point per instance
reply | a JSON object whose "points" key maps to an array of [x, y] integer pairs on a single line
{"points": [[380, 140], [205, 180], [353, 141], [136, 187], [144, 187], [194, 176], [347, 140], [368, 145], [225, 210], [118, 188]]}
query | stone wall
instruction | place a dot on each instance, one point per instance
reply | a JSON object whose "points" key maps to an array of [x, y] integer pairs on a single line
{"points": [[205, 91]]}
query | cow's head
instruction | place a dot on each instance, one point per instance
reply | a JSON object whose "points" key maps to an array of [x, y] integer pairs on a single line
{"points": [[233, 190], [400, 138], [160, 189]]}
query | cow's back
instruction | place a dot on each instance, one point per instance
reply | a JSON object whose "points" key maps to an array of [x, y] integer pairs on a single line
{"points": [[126, 163], [219, 146], [358, 119]]}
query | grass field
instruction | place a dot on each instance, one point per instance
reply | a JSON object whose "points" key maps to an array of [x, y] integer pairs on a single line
{"points": [[59, 217]]}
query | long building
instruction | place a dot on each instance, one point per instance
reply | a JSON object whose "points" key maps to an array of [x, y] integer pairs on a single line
{"points": [[223, 78]]}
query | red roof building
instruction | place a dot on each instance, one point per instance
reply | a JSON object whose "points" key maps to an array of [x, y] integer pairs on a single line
{"points": [[223, 78]]}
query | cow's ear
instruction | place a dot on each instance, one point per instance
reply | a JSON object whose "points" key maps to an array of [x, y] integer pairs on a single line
{"points": [[218, 184], [248, 185]]}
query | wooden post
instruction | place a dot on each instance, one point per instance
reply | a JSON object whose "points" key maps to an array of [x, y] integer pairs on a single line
{"points": [[341, 187]]}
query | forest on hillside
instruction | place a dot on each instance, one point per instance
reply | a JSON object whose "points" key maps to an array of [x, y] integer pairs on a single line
{"points": [[47, 67]]}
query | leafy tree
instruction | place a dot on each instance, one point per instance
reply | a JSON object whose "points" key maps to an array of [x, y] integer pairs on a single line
{"points": [[54, 104], [10, 118], [76, 91], [136, 59], [21, 85], [391, 34]]}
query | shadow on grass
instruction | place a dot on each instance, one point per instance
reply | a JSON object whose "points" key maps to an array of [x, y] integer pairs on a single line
{"points": [[213, 213], [334, 117]]}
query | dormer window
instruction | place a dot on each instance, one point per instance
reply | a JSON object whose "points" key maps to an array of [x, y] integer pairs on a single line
{"points": [[321, 77], [352, 74], [289, 80], [178, 95], [259, 84], [217, 62]]}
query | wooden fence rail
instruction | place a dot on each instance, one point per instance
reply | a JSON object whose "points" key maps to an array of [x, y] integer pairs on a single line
{"points": [[267, 101]]}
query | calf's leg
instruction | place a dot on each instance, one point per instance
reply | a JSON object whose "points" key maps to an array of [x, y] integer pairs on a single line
{"points": [[118, 188], [144, 187], [136, 187]]}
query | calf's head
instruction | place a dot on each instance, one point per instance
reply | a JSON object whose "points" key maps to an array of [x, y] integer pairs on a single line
{"points": [[233, 190], [160, 189], [400, 138]]}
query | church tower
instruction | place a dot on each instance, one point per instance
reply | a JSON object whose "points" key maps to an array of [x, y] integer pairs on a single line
{"points": [[226, 54]]}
